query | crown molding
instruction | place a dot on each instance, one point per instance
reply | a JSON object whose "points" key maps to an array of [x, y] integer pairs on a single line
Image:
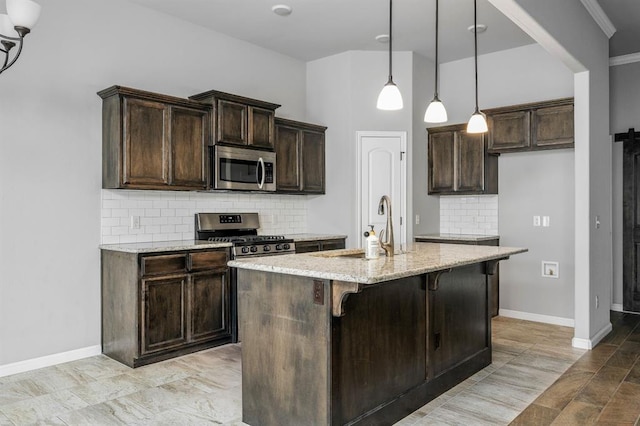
{"points": [[600, 17], [624, 59]]}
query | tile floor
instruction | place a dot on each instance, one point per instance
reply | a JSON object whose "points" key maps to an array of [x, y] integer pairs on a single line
{"points": [[602, 387], [205, 388]]}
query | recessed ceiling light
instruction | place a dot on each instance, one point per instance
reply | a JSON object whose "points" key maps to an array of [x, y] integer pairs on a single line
{"points": [[480, 28], [382, 38], [281, 10]]}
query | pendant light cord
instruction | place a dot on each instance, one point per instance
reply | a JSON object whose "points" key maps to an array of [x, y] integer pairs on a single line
{"points": [[436, 89], [390, 38], [475, 37]]}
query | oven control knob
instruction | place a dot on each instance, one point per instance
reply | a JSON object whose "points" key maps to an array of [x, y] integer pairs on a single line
{"points": [[266, 248], [245, 250], [286, 246], [278, 246], [254, 249]]}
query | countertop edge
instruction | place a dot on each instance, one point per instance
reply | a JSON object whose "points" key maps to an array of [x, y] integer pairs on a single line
{"points": [[247, 264], [162, 246]]}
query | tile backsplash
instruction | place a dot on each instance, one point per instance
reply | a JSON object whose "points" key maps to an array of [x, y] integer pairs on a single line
{"points": [[477, 215], [168, 215]]}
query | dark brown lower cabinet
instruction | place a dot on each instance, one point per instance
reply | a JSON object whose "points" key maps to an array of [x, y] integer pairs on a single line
{"points": [[320, 245], [158, 306], [494, 279], [368, 354]]}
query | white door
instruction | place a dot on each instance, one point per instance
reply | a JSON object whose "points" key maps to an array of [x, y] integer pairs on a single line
{"points": [[382, 171]]}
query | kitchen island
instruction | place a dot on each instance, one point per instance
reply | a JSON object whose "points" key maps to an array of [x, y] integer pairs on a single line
{"points": [[330, 338]]}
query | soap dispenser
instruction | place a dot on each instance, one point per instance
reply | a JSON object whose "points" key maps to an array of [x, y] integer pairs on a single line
{"points": [[372, 249]]}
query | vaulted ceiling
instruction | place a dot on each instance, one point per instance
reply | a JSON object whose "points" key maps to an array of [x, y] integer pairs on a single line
{"points": [[320, 28]]}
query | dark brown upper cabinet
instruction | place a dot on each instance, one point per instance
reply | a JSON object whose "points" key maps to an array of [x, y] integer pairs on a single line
{"points": [[237, 120], [300, 153], [153, 141], [531, 127], [459, 164]]}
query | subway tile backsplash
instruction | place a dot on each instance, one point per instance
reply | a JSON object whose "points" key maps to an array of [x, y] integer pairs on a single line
{"points": [[168, 215], [476, 215]]}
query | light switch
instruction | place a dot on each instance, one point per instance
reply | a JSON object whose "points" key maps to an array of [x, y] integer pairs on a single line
{"points": [[536, 221], [546, 221]]}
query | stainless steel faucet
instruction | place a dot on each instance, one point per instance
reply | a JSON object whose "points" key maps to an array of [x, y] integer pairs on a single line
{"points": [[387, 245]]}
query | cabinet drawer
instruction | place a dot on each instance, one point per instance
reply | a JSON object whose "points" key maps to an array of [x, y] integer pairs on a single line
{"points": [[167, 264], [332, 244], [202, 260]]}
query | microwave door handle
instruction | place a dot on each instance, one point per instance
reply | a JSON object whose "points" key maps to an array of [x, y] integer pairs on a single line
{"points": [[261, 166]]}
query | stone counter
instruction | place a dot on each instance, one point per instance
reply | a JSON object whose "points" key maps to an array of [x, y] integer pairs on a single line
{"points": [[344, 265], [160, 246]]}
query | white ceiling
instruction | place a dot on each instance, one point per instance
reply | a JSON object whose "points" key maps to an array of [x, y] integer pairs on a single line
{"points": [[320, 28]]}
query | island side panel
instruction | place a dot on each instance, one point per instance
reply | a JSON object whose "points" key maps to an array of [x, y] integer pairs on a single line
{"points": [[459, 318], [285, 349], [379, 347]]}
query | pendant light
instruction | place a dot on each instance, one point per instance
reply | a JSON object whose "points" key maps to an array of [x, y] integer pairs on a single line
{"points": [[390, 98], [20, 18], [436, 113], [477, 122]]}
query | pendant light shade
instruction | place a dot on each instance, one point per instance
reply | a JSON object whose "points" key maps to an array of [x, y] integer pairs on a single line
{"points": [[23, 13], [477, 122], [436, 112], [390, 98]]}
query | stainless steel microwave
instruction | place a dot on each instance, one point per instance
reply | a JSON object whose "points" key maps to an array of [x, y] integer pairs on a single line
{"points": [[243, 169]]}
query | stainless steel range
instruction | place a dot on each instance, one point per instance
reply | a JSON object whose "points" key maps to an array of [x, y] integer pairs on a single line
{"points": [[241, 229]]}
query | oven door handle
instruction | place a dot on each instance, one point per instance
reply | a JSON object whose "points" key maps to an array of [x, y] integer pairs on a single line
{"points": [[262, 177]]}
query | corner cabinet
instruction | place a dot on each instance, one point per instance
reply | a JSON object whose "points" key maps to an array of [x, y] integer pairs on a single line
{"points": [[300, 151], [531, 127], [459, 163], [241, 121], [153, 141], [158, 306]]}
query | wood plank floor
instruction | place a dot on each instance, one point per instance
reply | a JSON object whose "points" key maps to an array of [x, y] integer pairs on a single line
{"points": [[534, 379]]}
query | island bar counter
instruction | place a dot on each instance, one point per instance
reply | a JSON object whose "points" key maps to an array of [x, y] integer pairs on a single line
{"points": [[330, 338]]}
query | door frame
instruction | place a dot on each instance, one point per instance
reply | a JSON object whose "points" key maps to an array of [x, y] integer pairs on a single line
{"points": [[360, 135]]}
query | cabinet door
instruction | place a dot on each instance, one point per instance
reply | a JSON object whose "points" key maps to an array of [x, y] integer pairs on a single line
{"points": [[232, 122], [307, 246], [188, 148], [332, 244], [261, 127], [509, 131], [163, 313], [553, 127], [441, 162], [209, 300], [288, 159], [145, 143], [313, 171], [469, 162]]}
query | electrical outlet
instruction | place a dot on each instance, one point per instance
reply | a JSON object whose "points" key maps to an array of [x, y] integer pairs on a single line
{"points": [[536, 221], [550, 269], [546, 221], [135, 222], [417, 219]]}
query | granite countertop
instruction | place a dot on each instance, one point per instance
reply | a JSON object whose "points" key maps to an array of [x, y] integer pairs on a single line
{"points": [[458, 237], [419, 258], [314, 237], [159, 246]]}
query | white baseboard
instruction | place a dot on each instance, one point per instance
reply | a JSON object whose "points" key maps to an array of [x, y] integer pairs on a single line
{"points": [[567, 322], [616, 307], [591, 343], [49, 360]]}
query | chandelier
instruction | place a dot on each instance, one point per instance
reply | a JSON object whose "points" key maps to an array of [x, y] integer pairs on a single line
{"points": [[20, 18]]}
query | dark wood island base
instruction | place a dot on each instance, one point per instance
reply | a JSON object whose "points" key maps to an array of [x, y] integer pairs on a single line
{"points": [[328, 352]]}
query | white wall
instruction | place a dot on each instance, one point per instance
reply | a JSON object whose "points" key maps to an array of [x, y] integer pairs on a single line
{"points": [[50, 150], [342, 92], [566, 30], [625, 114], [536, 183]]}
